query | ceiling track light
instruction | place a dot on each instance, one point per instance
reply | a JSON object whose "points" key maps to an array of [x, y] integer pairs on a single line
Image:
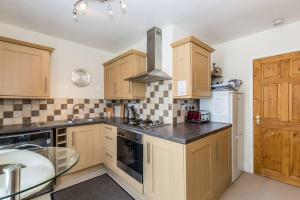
{"points": [[81, 5]]}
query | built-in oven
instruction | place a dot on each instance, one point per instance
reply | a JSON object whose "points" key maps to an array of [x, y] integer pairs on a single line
{"points": [[130, 153]]}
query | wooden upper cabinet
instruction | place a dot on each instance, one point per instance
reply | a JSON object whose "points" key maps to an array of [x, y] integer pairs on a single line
{"points": [[118, 69], [191, 68], [24, 71]]}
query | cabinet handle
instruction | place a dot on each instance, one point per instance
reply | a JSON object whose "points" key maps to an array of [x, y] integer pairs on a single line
{"points": [[108, 128], [115, 88], [129, 87], [108, 137], [148, 152], [45, 84], [195, 82], [109, 155], [217, 150], [72, 143]]}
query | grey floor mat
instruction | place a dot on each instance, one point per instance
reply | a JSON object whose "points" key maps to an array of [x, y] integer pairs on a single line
{"points": [[100, 188]]}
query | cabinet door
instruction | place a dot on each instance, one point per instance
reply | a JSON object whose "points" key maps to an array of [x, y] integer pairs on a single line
{"points": [[221, 161], [201, 72], [182, 69], [163, 169], [87, 141], [125, 70], [25, 71], [111, 81], [199, 169]]}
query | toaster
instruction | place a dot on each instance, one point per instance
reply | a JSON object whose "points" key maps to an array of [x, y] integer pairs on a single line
{"points": [[200, 116]]}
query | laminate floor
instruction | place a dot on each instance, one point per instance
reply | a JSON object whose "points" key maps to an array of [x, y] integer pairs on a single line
{"points": [[254, 187], [247, 187]]}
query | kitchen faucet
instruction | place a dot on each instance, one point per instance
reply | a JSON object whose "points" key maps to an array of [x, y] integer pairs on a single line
{"points": [[80, 107]]}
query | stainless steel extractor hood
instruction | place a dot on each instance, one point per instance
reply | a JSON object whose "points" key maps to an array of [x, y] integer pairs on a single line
{"points": [[154, 59]]}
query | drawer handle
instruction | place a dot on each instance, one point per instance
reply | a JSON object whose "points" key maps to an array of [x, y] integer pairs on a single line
{"points": [[108, 128], [148, 152], [109, 155], [108, 138]]}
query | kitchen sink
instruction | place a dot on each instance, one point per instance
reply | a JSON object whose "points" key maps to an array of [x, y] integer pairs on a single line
{"points": [[80, 120]]}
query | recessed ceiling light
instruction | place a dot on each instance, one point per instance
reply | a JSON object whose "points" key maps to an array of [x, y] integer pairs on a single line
{"points": [[278, 22]]}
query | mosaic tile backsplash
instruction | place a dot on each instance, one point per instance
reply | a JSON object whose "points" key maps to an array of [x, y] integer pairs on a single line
{"points": [[15, 111], [158, 105]]}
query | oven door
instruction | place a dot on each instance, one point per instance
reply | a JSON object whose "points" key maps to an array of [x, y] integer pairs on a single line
{"points": [[130, 157]]}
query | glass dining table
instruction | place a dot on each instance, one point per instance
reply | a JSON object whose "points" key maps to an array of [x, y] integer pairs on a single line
{"points": [[24, 173]]}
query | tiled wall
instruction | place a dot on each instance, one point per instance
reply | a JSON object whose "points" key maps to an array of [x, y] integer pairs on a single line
{"points": [[15, 111], [158, 105]]}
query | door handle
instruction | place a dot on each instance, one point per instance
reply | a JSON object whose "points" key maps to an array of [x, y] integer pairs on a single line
{"points": [[258, 119], [148, 152]]}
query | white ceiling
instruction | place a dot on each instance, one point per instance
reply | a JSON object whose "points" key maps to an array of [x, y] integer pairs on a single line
{"points": [[213, 21]]}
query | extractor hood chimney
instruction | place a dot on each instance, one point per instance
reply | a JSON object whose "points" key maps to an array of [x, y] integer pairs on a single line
{"points": [[154, 59]]}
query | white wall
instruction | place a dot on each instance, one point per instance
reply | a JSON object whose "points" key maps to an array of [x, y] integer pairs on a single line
{"points": [[170, 34], [66, 57], [237, 57]]}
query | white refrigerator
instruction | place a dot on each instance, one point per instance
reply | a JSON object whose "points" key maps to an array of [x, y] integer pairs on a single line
{"points": [[228, 107]]}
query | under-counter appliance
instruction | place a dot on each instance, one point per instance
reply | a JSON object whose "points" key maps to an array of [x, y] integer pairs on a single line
{"points": [[197, 116], [29, 140], [130, 153], [228, 107]]}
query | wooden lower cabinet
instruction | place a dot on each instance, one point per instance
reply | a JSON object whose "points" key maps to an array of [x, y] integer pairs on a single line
{"points": [[88, 142], [200, 170], [163, 169], [110, 147], [221, 162]]}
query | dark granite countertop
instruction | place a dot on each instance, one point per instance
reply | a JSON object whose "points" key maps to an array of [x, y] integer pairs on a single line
{"points": [[183, 133]]}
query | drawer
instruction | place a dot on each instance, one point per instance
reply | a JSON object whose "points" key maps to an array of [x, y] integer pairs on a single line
{"points": [[110, 129], [110, 141], [110, 159]]}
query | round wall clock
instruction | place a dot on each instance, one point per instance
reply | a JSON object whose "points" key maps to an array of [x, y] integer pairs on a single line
{"points": [[80, 78]]}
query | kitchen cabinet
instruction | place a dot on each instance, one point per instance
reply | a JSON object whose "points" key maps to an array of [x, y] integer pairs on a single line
{"points": [[24, 70], [163, 169], [110, 147], [191, 68], [118, 69], [221, 160], [200, 170], [88, 142]]}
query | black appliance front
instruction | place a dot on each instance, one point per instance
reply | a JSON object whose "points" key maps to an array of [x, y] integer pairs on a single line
{"points": [[130, 154], [29, 140]]}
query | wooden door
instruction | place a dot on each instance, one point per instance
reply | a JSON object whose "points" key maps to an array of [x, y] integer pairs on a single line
{"points": [[199, 169], [87, 141], [163, 169], [201, 75], [277, 117], [221, 161], [25, 71]]}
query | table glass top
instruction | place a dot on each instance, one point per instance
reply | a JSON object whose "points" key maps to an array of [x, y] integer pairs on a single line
{"points": [[39, 167]]}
